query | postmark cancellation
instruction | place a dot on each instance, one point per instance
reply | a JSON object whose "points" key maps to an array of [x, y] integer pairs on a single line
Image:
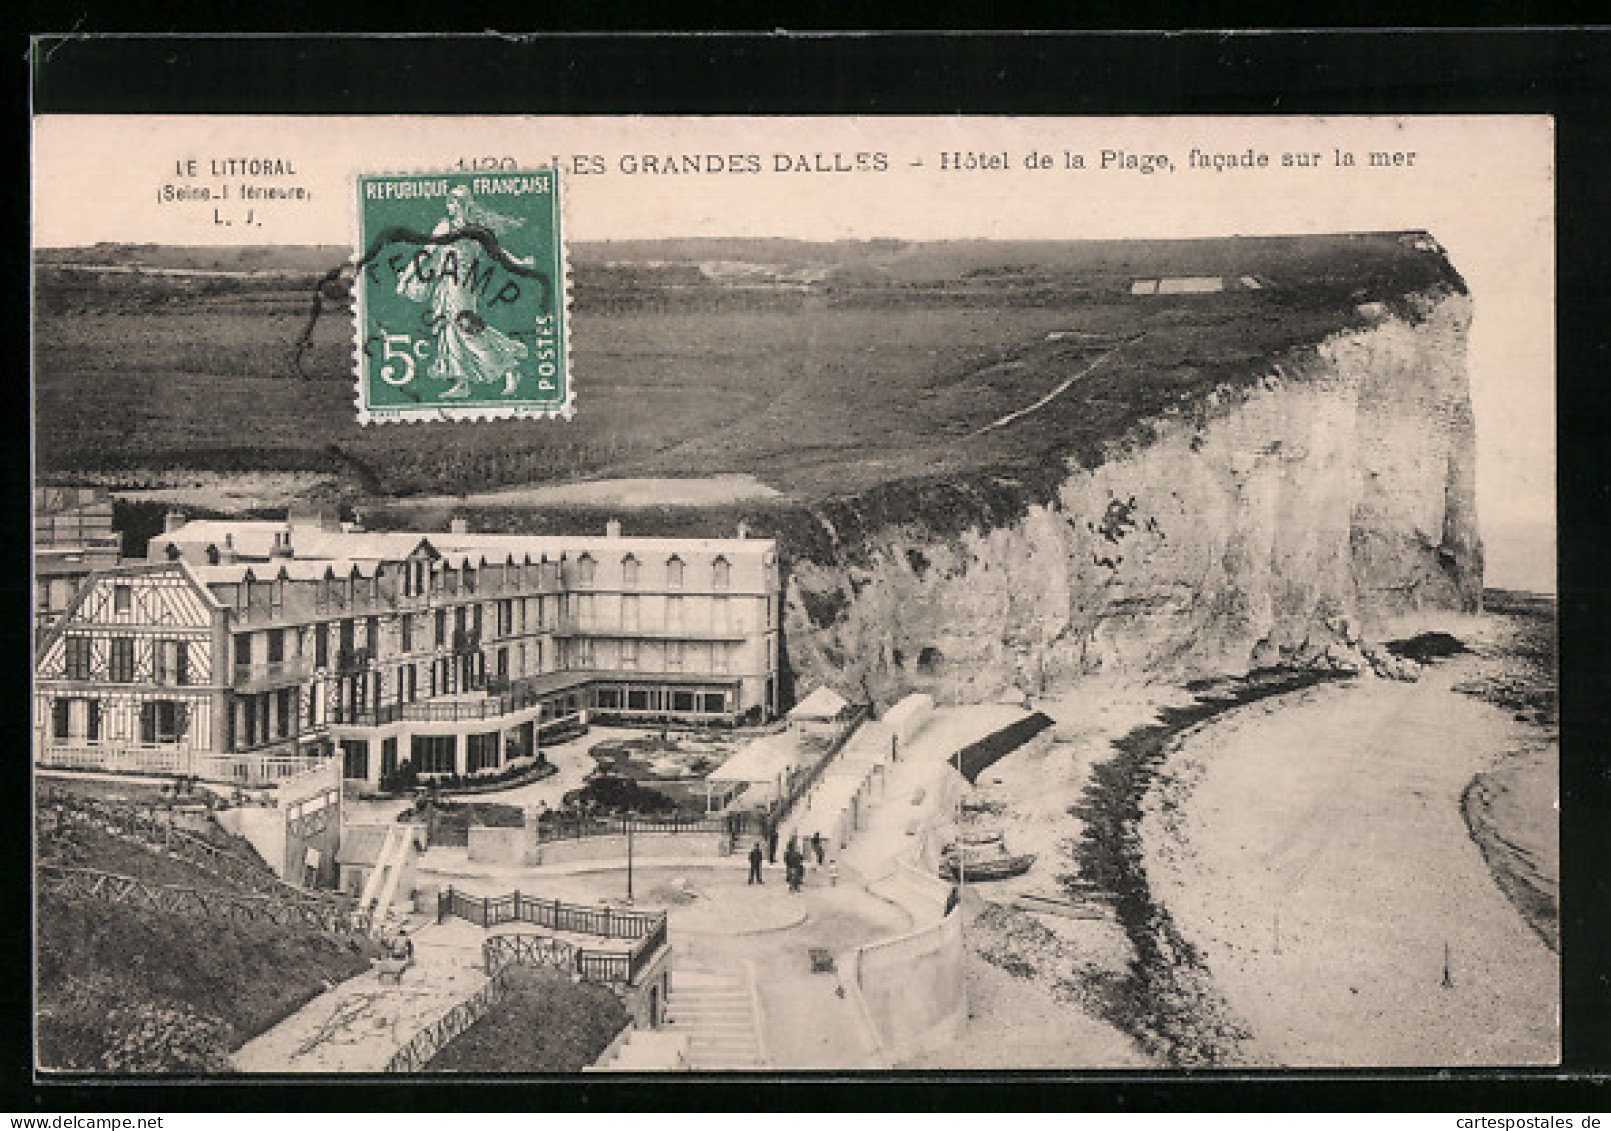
{"points": [[460, 297]]}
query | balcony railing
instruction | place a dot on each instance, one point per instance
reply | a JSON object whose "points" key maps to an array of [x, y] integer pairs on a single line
{"points": [[236, 769], [274, 671], [577, 626]]}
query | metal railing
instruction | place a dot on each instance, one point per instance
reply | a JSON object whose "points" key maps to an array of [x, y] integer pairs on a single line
{"points": [[274, 671], [801, 784], [604, 922], [558, 827]]}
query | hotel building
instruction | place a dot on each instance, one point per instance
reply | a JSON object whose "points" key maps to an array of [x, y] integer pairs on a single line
{"points": [[239, 650]]}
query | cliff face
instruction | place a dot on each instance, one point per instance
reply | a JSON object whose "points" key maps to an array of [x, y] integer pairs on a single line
{"points": [[1340, 484]]}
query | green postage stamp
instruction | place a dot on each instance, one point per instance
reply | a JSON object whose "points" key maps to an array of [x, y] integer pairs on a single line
{"points": [[460, 297]]}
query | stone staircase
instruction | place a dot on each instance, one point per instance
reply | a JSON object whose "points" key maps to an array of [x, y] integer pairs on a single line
{"points": [[717, 1013]]}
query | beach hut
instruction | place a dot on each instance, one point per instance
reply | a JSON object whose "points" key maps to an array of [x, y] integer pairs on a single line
{"points": [[761, 771], [823, 707]]}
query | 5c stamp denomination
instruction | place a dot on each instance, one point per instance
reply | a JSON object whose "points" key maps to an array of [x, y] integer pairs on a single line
{"points": [[460, 297]]}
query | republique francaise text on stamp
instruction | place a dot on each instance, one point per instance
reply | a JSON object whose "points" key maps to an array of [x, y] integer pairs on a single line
{"points": [[460, 297]]}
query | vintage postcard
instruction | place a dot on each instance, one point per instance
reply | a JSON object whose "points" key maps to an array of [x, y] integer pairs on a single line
{"points": [[657, 595]]}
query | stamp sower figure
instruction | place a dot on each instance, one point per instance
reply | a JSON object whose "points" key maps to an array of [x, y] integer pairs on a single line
{"points": [[755, 864], [467, 348]]}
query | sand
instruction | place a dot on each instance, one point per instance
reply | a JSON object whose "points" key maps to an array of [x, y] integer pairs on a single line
{"points": [[1313, 848]]}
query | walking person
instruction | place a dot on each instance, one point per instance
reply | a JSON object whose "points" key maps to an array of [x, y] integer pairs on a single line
{"points": [[756, 857], [816, 846], [794, 866], [771, 842]]}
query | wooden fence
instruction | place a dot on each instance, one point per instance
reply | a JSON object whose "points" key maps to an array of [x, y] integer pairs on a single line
{"points": [[502, 953], [432, 1039], [213, 903], [155, 828]]}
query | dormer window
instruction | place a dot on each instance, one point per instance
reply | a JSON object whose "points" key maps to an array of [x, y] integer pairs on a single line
{"points": [[585, 567], [122, 599], [629, 571], [674, 572], [721, 573]]}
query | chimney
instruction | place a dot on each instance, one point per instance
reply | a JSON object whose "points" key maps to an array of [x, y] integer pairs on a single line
{"points": [[459, 525], [229, 556], [743, 530], [612, 528], [357, 521], [172, 521], [282, 543]]}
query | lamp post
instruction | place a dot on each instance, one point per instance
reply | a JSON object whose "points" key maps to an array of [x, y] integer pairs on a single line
{"points": [[629, 857]]}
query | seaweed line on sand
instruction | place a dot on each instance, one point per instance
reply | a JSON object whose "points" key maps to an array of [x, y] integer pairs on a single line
{"points": [[1165, 1000]]}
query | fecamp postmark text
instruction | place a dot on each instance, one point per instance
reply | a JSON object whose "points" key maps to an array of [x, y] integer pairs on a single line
{"points": [[460, 297]]}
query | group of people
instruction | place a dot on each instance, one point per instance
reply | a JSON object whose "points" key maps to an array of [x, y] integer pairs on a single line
{"points": [[794, 856]]}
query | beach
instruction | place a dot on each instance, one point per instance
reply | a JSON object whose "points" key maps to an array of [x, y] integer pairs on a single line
{"points": [[1314, 852]]}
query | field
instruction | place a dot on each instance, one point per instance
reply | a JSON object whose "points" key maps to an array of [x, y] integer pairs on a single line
{"points": [[825, 371]]}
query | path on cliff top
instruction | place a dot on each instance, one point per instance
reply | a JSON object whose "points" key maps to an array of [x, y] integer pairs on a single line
{"points": [[1317, 855]]}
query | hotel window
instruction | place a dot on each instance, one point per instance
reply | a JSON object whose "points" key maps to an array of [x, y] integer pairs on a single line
{"points": [[321, 645], [585, 567], [629, 655], [476, 624], [408, 632], [721, 573], [163, 721], [122, 599], [322, 599], [433, 754], [78, 657], [76, 718], [629, 571], [582, 656], [172, 659], [469, 578], [276, 646], [277, 597], [441, 627], [674, 572], [121, 667]]}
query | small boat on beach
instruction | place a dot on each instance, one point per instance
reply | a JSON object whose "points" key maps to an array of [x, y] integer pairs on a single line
{"points": [[982, 855], [985, 868]]}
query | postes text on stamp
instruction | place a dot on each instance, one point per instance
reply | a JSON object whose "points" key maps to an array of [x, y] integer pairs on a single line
{"points": [[460, 297]]}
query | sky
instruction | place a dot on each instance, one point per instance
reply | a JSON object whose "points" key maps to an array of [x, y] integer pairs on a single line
{"points": [[1483, 186]]}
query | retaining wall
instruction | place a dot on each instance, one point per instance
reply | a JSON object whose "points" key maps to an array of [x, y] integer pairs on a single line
{"points": [[644, 846], [913, 986]]}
